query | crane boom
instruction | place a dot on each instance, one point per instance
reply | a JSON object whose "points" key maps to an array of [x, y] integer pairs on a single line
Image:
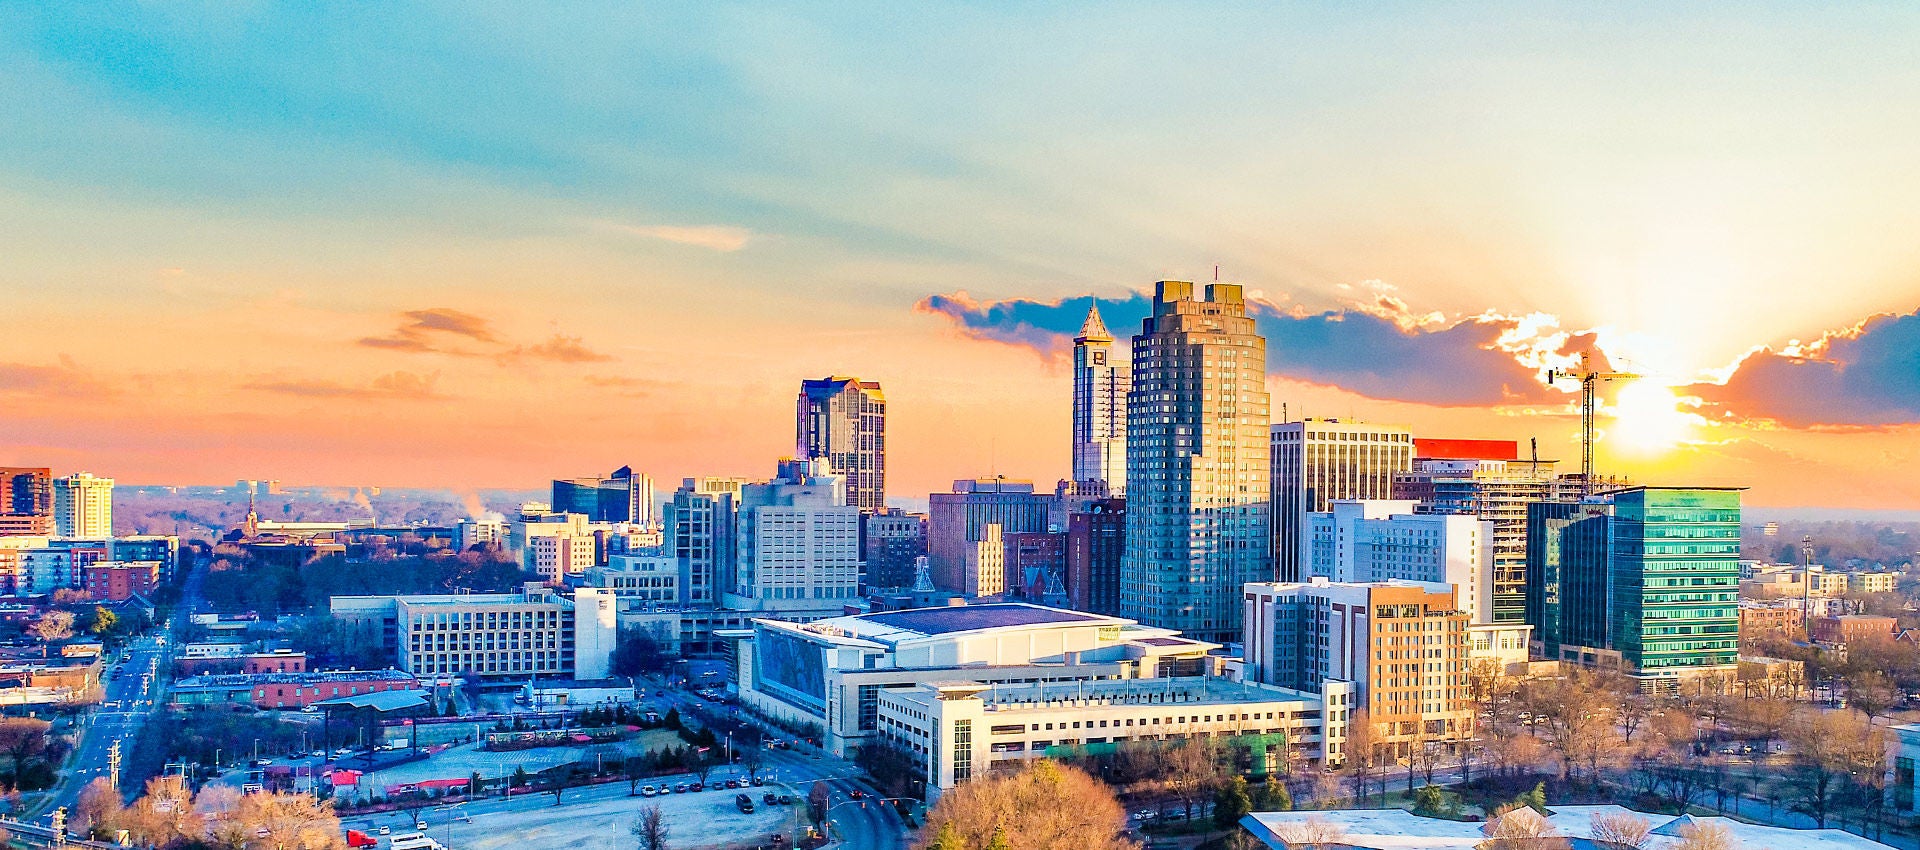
{"points": [[1589, 381]]}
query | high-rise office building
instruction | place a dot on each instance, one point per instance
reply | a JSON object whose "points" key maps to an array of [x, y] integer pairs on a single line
{"points": [[623, 496], [966, 549], [26, 501], [83, 506], [844, 420], [1198, 522], [699, 528], [894, 541], [1096, 544], [797, 542], [1485, 479], [1319, 461], [1099, 407], [1382, 540], [1644, 579]]}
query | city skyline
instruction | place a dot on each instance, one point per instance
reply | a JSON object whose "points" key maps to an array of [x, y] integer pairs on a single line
{"points": [[328, 276]]}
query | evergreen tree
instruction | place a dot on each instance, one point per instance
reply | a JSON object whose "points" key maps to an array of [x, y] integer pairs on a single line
{"points": [[1231, 803], [1273, 796]]}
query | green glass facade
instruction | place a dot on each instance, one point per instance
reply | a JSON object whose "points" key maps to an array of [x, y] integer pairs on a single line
{"points": [[1674, 578], [1650, 573]]}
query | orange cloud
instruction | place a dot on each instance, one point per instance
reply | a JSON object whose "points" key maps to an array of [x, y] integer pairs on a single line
{"points": [[393, 385]]}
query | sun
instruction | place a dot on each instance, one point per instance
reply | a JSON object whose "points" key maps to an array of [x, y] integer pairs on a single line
{"points": [[1648, 418]]}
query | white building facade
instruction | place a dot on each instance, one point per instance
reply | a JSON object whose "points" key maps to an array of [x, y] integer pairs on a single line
{"points": [[83, 506], [797, 542], [1383, 539]]}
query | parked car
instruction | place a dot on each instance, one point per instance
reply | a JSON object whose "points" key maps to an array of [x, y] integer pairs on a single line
{"points": [[680, 789], [647, 791], [744, 802]]}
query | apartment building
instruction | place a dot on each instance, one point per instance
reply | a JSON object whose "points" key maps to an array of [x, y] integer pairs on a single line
{"points": [[1403, 645]]}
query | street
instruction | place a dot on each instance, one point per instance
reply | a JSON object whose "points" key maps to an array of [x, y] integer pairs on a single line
{"points": [[131, 692]]}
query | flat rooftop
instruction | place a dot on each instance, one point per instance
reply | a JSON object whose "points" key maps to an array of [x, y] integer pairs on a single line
{"points": [[1386, 829], [970, 618], [1176, 691]]}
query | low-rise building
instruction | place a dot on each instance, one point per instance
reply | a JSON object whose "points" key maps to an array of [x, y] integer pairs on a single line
{"points": [[829, 673], [645, 580], [1395, 829], [115, 581], [1858, 583], [1759, 618], [953, 731], [288, 690], [1853, 628], [534, 633]]}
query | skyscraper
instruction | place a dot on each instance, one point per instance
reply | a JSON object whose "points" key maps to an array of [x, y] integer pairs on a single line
{"points": [[1099, 407], [1197, 463], [844, 420], [1317, 462], [26, 501], [83, 506], [623, 496]]}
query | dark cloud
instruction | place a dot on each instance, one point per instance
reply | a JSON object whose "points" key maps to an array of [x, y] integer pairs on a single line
{"points": [[64, 379], [1367, 352], [560, 349], [1867, 375], [424, 328], [393, 385]]}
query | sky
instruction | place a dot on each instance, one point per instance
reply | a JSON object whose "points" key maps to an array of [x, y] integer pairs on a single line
{"points": [[462, 245]]}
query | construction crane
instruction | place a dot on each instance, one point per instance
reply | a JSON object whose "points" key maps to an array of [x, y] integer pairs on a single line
{"points": [[1589, 381]]}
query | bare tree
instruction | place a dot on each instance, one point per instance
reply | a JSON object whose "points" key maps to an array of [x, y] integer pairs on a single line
{"points": [[1193, 765], [1706, 836], [1312, 831], [1362, 750], [1829, 748], [651, 829], [99, 805], [53, 626], [1627, 830], [1520, 828]]}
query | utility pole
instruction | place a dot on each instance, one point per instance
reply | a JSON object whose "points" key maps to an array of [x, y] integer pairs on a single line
{"points": [[113, 765], [1806, 587], [1589, 381]]}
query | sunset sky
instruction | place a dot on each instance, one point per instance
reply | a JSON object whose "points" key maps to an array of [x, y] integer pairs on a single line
{"points": [[461, 245]]}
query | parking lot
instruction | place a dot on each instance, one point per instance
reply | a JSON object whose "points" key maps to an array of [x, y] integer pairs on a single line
{"points": [[704, 820]]}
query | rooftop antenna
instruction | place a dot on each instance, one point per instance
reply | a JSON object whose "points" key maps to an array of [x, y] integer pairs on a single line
{"points": [[1534, 442], [1216, 272]]}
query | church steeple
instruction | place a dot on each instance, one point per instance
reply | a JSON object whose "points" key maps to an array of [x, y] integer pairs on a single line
{"points": [[1094, 330]]}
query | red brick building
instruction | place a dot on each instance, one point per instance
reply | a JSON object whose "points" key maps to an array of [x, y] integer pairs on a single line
{"points": [[118, 581], [1853, 628], [304, 689]]}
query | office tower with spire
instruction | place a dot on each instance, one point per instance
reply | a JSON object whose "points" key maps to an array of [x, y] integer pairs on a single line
{"points": [[1099, 407], [844, 420], [1197, 467], [83, 506]]}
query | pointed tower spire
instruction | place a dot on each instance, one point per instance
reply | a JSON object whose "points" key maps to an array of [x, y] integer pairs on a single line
{"points": [[1094, 330]]}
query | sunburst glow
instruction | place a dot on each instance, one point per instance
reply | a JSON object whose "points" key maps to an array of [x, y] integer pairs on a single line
{"points": [[1648, 418]]}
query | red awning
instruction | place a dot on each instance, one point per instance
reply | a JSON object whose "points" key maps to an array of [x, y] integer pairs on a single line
{"points": [[584, 739]]}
